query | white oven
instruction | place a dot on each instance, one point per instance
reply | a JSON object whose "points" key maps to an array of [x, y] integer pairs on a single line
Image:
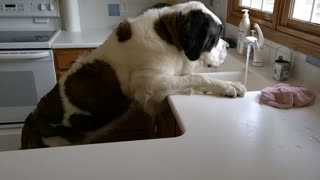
{"points": [[27, 29], [25, 76]]}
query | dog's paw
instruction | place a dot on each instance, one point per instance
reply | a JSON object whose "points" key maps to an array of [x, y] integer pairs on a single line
{"points": [[234, 89]]}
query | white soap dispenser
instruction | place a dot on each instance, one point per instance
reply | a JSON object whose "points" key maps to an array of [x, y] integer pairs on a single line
{"points": [[244, 29]]}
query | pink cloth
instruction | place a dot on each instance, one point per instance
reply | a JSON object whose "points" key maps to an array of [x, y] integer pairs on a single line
{"points": [[285, 96]]}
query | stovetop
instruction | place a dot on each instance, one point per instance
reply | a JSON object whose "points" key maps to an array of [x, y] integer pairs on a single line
{"points": [[25, 36], [26, 39]]}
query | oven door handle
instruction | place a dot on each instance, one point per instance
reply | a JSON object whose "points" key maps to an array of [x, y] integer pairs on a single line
{"points": [[23, 56]]}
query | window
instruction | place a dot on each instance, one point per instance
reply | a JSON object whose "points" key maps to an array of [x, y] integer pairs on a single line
{"points": [[293, 23], [260, 5]]}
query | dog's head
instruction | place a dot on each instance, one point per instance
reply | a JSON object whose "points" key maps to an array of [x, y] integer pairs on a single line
{"points": [[193, 28]]}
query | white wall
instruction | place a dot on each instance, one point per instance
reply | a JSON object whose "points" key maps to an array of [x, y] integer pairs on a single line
{"points": [[94, 13], [219, 8]]}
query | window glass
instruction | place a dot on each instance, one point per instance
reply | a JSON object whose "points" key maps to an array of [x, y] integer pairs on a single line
{"points": [[316, 12], [268, 5], [306, 10], [260, 5], [257, 4], [246, 3]]}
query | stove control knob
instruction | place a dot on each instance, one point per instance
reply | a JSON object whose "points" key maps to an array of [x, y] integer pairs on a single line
{"points": [[51, 7], [42, 7]]}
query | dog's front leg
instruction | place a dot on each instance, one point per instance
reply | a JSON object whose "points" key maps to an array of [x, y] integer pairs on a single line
{"points": [[206, 84], [152, 89]]}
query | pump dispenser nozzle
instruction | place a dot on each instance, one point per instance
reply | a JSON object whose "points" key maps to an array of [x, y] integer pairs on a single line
{"points": [[245, 11]]}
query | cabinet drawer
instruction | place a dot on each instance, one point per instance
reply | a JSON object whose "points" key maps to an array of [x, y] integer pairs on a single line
{"points": [[64, 58]]}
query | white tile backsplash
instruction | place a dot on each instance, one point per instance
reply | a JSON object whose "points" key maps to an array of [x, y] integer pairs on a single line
{"points": [[231, 31]]}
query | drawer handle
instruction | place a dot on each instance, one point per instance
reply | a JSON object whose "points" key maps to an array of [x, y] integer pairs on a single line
{"points": [[23, 56]]}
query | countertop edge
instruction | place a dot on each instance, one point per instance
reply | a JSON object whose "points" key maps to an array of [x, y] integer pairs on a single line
{"points": [[85, 39]]}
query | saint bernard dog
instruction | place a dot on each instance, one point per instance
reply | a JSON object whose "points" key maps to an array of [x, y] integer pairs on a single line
{"points": [[143, 61]]}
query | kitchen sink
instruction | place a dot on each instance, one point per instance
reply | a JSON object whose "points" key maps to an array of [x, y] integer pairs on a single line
{"points": [[234, 70], [254, 81]]}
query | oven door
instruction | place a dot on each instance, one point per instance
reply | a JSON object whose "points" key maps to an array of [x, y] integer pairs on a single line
{"points": [[25, 76]]}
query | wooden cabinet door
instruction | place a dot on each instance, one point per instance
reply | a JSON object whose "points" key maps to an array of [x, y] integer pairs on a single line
{"points": [[64, 58]]}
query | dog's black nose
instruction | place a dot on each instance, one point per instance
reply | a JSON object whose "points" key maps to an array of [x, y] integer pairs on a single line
{"points": [[210, 65]]}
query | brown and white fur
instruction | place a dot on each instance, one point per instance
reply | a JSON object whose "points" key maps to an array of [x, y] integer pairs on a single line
{"points": [[149, 58]]}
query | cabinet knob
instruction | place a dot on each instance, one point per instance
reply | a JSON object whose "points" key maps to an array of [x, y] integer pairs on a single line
{"points": [[51, 7], [42, 7]]}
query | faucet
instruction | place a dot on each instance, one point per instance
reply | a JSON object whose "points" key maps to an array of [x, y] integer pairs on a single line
{"points": [[256, 46]]}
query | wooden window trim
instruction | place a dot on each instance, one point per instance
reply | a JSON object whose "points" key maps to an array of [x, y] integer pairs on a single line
{"points": [[309, 31], [235, 15], [279, 28]]}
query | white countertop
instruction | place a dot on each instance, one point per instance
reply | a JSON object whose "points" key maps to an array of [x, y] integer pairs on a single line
{"points": [[224, 139], [85, 39]]}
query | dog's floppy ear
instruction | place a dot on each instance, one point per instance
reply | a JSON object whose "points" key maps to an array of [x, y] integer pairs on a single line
{"points": [[193, 32], [198, 32], [166, 28]]}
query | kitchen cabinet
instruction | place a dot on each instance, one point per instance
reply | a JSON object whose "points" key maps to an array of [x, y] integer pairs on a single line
{"points": [[64, 58], [140, 126]]}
